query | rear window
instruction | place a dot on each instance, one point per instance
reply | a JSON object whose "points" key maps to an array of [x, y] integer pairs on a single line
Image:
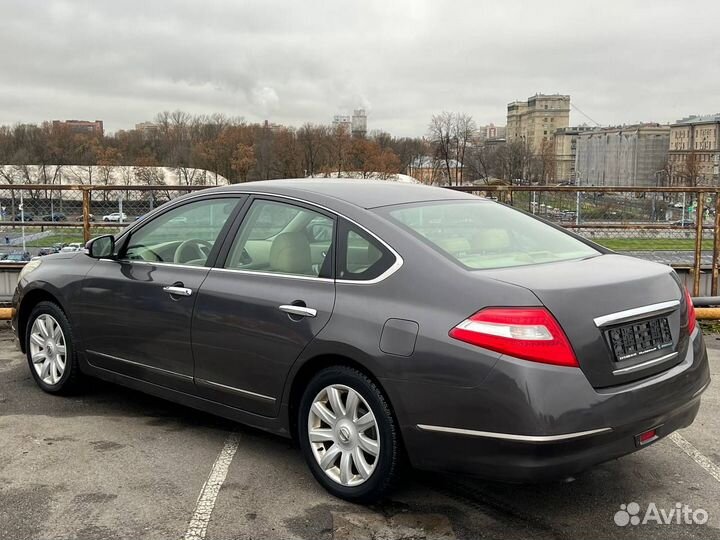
{"points": [[482, 235]]}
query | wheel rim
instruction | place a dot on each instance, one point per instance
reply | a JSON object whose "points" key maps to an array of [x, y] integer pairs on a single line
{"points": [[343, 435], [48, 349]]}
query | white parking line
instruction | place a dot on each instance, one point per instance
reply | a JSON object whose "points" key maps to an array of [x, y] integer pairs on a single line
{"points": [[694, 453], [208, 494]]}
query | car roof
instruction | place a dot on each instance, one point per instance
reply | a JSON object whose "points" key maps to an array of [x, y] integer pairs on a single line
{"points": [[363, 193]]}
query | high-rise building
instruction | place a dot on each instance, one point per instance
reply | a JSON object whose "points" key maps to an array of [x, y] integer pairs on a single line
{"points": [[490, 132], [343, 121], [694, 155], [622, 156], [359, 123], [536, 120], [80, 126], [147, 127], [565, 140]]}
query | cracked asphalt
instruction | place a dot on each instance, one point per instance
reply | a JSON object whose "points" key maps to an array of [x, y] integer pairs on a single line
{"points": [[112, 463]]}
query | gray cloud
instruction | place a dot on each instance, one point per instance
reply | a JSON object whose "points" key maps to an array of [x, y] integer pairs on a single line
{"points": [[294, 61]]}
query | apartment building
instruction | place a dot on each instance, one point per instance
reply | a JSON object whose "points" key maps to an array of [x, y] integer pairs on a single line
{"points": [[633, 155], [537, 119], [694, 154]]}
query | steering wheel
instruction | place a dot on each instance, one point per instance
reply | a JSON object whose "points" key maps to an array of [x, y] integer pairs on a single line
{"points": [[192, 250]]}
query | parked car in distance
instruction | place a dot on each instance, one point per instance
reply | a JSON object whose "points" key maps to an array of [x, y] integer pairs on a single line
{"points": [[47, 251], [684, 223], [16, 257], [55, 216], [115, 216], [374, 321], [81, 217], [72, 248], [28, 216]]}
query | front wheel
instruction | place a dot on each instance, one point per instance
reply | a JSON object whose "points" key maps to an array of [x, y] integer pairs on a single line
{"points": [[348, 435], [50, 349]]}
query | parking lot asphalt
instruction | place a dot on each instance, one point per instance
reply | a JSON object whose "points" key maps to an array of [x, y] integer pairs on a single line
{"points": [[112, 463]]}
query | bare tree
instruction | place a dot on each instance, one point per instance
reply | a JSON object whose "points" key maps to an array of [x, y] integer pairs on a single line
{"points": [[312, 142], [691, 169], [440, 134], [451, 134], [464, 130], [546, 162]]}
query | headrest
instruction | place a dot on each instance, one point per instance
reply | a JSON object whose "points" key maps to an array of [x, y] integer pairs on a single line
{"points": [[290, 254]]}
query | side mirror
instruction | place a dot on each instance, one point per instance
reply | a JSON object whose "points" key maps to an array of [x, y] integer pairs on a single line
{"points": [[101, 247]]}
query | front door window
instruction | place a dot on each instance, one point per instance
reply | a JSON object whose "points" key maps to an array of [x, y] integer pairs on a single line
{"points": [[184, 235]]}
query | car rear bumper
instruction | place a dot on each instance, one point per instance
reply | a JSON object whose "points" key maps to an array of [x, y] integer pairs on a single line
{"points": [[536, 461], [532, 422]]}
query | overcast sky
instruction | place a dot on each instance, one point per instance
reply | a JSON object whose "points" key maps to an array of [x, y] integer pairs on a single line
{"points": [[297, 61]]}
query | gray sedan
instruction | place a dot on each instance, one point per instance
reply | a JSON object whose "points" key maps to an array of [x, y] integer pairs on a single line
{"points": [[376, 322]]}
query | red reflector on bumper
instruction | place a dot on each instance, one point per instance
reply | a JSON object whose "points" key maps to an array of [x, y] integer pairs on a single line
{"points": [[646, 437]]}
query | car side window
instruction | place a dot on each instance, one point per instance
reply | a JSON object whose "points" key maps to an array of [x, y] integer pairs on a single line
{"points": [[285, 239], [183, 235], [361, 257]]}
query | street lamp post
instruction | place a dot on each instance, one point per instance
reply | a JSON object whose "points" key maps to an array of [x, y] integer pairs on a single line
{"points": [[577, 199], [654, 201]]}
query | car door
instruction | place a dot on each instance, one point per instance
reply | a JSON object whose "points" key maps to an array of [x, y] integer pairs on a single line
{"points": [[137, 309], [270, 294]]}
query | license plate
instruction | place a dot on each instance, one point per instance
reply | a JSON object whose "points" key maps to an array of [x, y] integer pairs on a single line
{"points": [[636, 339]]}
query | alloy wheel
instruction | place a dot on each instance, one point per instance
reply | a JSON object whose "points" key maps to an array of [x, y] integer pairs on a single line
{"points": [[48, 349], [343, 435]]}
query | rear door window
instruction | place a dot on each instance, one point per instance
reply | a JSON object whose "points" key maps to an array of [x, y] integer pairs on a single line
{"points": [[361, 257], [281, 238]]}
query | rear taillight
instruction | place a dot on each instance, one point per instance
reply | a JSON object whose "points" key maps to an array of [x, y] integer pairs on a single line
{"points": [[690, 312], [527, 333]]}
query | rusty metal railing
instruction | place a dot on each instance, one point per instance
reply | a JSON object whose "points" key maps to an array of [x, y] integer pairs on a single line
{"points": [[635, 217]]}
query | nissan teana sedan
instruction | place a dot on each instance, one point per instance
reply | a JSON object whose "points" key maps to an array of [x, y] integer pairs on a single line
{"points": [[375, 322]]}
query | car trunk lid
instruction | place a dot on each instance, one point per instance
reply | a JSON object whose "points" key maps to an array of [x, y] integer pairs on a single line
{"points": [[625, 318]]}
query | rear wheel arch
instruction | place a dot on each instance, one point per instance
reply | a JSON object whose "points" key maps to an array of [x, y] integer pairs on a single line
{"points": [[316, 364]]}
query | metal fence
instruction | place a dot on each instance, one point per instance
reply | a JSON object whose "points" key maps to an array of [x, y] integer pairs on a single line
{"points": [[34, 218], [658, 224]]}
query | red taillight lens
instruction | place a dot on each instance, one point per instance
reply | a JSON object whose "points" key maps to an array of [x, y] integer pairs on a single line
{"points": [[527, 333], [690, 312]]}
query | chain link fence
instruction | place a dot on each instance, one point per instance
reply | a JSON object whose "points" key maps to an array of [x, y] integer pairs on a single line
{"points": [[658, 224], [37, 220]]}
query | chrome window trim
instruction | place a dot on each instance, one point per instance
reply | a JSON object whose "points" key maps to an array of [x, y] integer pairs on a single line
{"points": [[512, 436], [152, 263], [272, 274], [390, 271], [246, 393], [644, 365], [387, 273], [630, 314]]}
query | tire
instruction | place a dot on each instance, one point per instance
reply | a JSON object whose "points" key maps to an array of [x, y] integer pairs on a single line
{"points": [[350, 471], [51, 374]]}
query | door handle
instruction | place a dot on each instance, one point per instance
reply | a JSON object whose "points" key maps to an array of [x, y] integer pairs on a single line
{"points": [[177, 291], [300, 311]]}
